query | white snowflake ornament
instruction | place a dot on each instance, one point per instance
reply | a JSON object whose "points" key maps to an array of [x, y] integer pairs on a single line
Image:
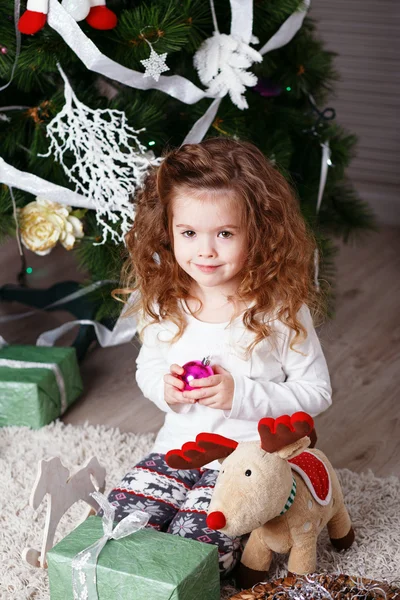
{"points": [[221, 62], [155, 64]]}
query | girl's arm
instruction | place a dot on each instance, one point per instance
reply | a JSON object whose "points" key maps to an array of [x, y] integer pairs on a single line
{"points": [[151, 368], [306, 387]]}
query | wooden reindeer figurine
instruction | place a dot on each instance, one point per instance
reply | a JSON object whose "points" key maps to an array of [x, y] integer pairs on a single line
{"points": [[54, 479], [277, 490]]}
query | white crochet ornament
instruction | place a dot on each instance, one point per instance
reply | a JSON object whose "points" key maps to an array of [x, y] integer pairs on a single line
{"points": [[221, 62], [110, 162]]}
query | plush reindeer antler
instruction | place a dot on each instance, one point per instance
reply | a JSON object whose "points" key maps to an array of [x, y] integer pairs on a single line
{"points": [[283, 431], [206, 448]]}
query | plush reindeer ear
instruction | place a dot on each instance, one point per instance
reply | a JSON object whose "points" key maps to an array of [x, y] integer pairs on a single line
{"points": [[289, 452], [284, 431], [206, 448]]}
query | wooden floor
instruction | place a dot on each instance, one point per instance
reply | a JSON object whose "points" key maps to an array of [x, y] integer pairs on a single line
{"points": [[362, 346]]}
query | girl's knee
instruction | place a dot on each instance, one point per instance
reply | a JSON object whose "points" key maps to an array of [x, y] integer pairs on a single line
{"points": [[153, 487]]}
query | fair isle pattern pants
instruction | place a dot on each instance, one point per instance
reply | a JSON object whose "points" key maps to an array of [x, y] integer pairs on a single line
{"points": [[177, 501]]}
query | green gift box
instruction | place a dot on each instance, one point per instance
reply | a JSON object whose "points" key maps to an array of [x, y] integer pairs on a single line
{"points": [[37, 384], [145, 565]]}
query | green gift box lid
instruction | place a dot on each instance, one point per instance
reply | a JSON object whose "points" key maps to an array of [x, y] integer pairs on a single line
{"points": [[146, 565], [31, 396]]}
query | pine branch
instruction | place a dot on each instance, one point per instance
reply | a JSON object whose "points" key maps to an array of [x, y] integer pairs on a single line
{"points": [[345, 215]]}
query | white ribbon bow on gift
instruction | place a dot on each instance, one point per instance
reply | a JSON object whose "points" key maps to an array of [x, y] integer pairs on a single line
{"points": [[84, 564]]}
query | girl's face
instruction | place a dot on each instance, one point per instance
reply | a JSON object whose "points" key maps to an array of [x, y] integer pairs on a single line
{"points": [[210, 242]]}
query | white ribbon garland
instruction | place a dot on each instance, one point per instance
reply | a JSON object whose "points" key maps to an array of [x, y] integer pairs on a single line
{"points": [[37, 186], [62, 301], [325, 163], [287, 30], [84, 564], [122, 333]]}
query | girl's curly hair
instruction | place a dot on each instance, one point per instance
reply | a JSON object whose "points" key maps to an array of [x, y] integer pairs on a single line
{"points": [[278, 276]]}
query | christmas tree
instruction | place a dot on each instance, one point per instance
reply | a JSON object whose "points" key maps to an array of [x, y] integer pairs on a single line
{"points": [[124, 92]]}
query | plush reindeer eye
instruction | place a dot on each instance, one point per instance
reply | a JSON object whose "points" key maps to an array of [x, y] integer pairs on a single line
{"points": [[248, 473]]}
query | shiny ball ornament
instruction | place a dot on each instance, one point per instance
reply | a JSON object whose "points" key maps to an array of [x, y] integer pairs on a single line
{"points": [[195, 369], [3, 50], [78, 9]]}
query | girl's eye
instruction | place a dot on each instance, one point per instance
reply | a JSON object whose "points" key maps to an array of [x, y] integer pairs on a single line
{"points": [[189, 234]]}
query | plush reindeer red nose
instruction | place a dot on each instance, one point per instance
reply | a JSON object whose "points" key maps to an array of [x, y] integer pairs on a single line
{"points": [[216, 520]]}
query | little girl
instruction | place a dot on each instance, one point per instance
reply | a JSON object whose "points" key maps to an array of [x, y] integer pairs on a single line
{"points": [[221, 262]]}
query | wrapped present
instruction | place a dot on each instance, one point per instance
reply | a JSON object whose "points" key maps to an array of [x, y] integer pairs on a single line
{"points": [[144, 565], [320, 586], [37, 384]]}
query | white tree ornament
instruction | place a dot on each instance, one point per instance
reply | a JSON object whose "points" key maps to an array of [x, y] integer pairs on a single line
{"points": [[221, 62], [110, 162], [155, 64]]}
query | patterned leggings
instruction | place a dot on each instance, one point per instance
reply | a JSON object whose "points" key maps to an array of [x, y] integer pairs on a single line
{"points": [[177, 501]]}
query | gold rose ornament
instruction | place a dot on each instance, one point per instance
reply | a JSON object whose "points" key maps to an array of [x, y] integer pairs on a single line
{"points": [[43, 223]]}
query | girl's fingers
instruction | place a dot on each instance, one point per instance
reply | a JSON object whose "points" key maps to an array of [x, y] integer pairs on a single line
{"points": [[181, 400], [179, 397], [210, 402], [176, 369], [174, 381], [199, 394], [206, 381]]}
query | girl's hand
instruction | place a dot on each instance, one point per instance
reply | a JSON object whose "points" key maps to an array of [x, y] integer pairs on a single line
{"points": [[173, 387], [217, 390]]}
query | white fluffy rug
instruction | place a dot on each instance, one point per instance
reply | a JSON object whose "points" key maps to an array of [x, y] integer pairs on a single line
{"points": [[374, 505]]}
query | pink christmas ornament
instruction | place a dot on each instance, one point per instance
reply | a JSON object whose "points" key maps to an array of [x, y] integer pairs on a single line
{"points": [[3, 50], [195, 369]]}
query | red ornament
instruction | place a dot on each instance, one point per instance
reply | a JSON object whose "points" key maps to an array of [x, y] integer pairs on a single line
{"points": [[195, 369], [101, 17], [32, 21]]}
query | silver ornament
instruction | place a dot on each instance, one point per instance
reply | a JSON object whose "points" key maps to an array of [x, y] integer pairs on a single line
{"points": [[78, 9], [155, 64]]}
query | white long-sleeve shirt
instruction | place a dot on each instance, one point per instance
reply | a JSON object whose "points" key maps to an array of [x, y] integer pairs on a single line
{"points": [[275, 380]]}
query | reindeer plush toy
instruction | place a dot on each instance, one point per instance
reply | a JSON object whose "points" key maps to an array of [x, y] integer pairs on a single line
{"points": [[277, 490]]}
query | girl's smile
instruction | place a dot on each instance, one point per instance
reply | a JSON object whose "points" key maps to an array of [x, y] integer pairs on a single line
{"points": [[207, 268]]}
